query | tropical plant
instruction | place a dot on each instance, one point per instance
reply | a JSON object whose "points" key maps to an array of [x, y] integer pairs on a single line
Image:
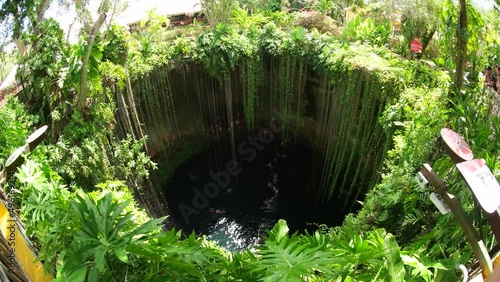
{"points": [[16, 125], [152, 29], [316, 20], [259, 6], [217, 11], [289, 258], [46, 205], [96, 159], [91, 31], [368, 31], [42, 68], [324, 7], [248, 21], [103, 235], [115, 49], [229, 46], [7, 62], [74, 70]]}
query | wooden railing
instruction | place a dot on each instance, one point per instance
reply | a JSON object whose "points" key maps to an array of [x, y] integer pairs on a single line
{"points": [[17, 255]]}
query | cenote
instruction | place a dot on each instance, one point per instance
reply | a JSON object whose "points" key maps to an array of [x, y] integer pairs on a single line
{"points": [[307, 145]]}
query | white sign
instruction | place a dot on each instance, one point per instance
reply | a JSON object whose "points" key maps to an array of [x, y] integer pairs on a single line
{"points": [[482, 183], [14, 157], [35, 135], [440, 205], [421, 180]]}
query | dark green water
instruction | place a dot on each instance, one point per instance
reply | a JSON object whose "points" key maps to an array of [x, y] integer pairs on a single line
{"points": [[269, 186]]}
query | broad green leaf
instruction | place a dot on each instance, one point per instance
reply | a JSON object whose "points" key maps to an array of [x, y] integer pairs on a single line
{"points": [[148, 226], [394, 261], [279, 231], [121, 253], [93, 274], [419, 268], [123, 222], [100, 257], [77, 275]]}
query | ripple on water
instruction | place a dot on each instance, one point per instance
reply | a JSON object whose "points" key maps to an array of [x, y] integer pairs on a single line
{"points": [[239, 229]]}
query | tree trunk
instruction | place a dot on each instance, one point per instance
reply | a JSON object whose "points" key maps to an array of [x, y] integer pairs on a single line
{"points": [[21, 47], [40, 15], [70, 28], [82, 99], [112, 14], [41, 11], [427, 39], [461, 46]]}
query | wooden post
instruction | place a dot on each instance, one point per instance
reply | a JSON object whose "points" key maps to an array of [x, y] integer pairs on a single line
{"points": [[16, 158], [460, 216]]}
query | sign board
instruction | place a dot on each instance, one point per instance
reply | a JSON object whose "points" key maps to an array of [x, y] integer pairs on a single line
{"points": [[15, 159], [421, 180], [440, 205], [416, 46], [36, 137], [459, 149], [482, 183]]}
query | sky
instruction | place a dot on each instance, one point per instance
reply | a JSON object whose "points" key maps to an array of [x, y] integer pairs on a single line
{"points": [[136, 11], [484, 4]]}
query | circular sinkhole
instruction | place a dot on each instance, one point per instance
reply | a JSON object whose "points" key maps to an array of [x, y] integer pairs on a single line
{"points": [[334, 158], [235, 202]]}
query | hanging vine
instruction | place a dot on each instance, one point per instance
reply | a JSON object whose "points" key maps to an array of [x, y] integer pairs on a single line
{"points": [[251, 81], [300, 87], [357, 120], [365, 127], [163, 83], [358, 82], [342, 135]]}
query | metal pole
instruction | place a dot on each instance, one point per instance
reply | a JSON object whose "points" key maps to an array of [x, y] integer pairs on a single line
{"points": [[460, 216]]}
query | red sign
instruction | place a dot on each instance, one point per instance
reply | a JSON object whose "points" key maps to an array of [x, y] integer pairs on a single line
{"points": [[457, 144], [416, 46]]}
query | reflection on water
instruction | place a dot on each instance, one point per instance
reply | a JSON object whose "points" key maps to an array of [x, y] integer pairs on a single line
{"points": [[230, 234], [237, 217], [239, 229]]}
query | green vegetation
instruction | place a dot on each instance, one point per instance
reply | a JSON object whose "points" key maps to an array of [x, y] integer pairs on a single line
{"points": [[6, 65], [381, 116]]}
